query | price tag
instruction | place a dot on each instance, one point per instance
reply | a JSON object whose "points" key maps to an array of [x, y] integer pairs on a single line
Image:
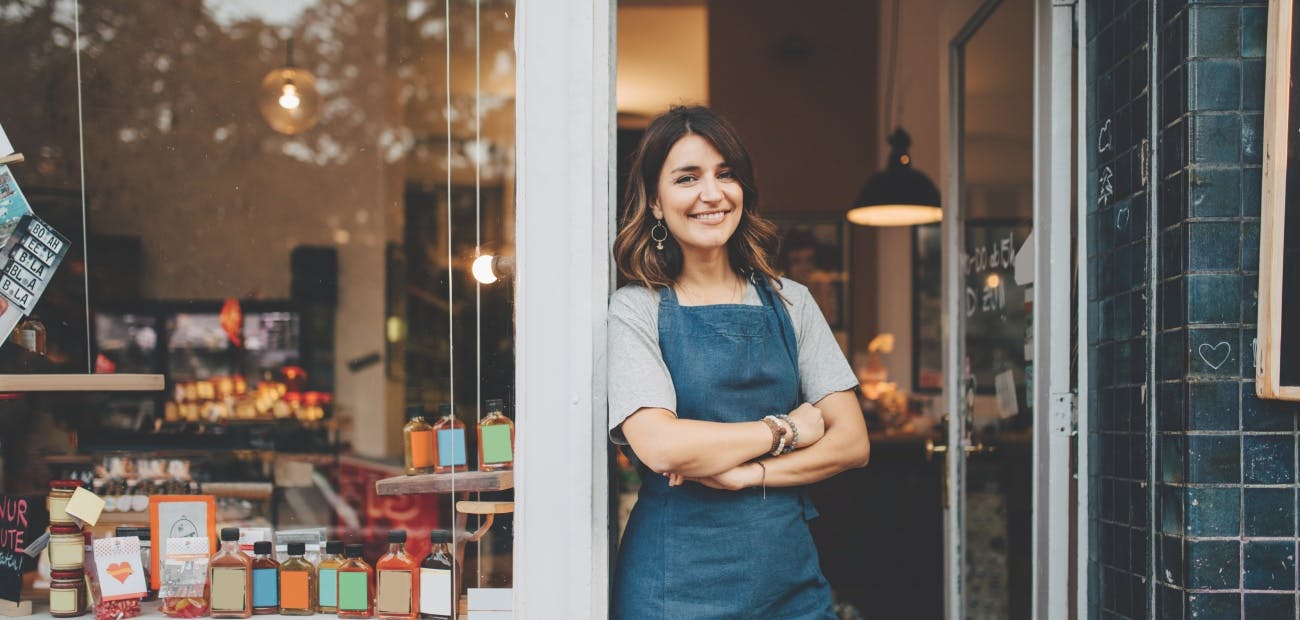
{"points": [[20, 296], [47, 256], [29, 260], [46, 235], [27, 279]]}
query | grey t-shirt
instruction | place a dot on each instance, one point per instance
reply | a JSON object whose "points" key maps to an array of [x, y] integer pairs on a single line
{"points": [[639, 378]]}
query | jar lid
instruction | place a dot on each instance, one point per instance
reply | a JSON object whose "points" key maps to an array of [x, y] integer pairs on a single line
{"points": [[65, 484], [65, 575], [64, 529]]}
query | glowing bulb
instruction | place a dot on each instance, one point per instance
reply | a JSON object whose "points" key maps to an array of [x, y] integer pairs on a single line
{"points": [[289, 96], [482, 269], [992, 281]]}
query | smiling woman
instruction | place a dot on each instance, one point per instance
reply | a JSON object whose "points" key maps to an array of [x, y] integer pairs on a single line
{"points": [[720, 444]]}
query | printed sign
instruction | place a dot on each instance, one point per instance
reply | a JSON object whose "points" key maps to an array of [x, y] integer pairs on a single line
{"points": [[13, 205], [5, 146], [118, 566], [31, 253], [22, 520]]}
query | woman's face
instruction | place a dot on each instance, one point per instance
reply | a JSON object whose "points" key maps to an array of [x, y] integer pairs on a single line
{"points": [[700, 198]]}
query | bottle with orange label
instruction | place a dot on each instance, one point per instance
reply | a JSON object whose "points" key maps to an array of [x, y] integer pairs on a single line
{"points": [[297, 583], [417, 436]]}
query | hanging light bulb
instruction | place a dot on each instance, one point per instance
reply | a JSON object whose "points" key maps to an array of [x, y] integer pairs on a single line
{"points": [[289, 101]]}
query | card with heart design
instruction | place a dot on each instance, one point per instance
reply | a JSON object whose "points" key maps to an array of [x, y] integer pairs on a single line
{"points": [[118, 568]]}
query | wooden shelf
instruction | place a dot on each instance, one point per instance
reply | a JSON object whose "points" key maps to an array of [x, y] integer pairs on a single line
{"points": [[470, 481], [81, 383]]}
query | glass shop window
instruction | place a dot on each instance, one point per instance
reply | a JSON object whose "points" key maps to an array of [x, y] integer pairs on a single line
{"points": [[300, 214]]}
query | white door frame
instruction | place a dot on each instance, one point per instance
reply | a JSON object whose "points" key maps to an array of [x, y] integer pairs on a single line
{"points": [[564, 125], [1053, 155]]}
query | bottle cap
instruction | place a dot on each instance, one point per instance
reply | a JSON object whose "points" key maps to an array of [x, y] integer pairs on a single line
{"points": [[229, 534], [297, 548], [65, 484], [439, 536], [414, 411], [396, 536], [334, 547], [444, 410], [352, 550], [262, 547]]}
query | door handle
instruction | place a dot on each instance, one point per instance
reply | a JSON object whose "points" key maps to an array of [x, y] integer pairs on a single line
{"points": [[932, 448]]}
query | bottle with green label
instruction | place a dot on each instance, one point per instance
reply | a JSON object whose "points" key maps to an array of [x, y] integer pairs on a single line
{"points": [[327, 577], [356, 585], [496, 438]]}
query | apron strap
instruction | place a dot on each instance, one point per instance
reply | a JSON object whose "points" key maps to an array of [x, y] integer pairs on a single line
{"points": [[783, 322]]}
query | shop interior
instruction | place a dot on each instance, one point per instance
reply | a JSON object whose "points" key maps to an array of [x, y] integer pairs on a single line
{"points": [[811, 90], [304, 281]]}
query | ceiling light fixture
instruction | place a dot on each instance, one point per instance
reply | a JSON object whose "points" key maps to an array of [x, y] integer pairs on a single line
{"points": [[289, 100], [899, 195]]}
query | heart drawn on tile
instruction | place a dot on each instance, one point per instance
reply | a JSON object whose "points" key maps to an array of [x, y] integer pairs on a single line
{"points": [[1211, 352], [1122, 217], [120, 571]]}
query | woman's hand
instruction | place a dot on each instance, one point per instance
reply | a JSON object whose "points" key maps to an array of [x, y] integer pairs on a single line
{"points": [[739, 477], [810, 423]]}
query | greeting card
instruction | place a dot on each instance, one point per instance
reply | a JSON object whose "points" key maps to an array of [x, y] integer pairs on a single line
{"points": [[118, 568]]}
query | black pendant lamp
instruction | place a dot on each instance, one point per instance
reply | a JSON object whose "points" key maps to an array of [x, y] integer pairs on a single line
{"points": [[899, 195]]}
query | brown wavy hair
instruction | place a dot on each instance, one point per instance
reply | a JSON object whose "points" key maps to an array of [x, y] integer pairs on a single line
{"points": [[751, 247]]}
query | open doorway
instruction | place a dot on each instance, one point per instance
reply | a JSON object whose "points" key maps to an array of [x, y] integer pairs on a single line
{"points": [[809, 87]]}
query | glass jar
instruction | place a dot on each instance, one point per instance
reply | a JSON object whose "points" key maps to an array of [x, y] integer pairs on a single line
{"points": [[67, 593], [67, 548], [57, 502]]}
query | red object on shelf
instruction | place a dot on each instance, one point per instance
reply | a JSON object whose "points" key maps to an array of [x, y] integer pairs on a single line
{"points": [[232, 320]]}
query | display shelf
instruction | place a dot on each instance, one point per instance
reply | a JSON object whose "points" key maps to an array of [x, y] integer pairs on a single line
{"points": [[81, 383], [470, 481]]}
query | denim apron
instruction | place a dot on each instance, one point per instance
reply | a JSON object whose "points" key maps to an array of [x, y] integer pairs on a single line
{"points": [[691, 552]]}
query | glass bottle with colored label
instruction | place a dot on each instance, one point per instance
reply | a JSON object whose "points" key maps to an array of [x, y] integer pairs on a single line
{"points": [[266, 579], [398, 590], [327, 577], [449, 442], [231, 578], [436, 583], [297, 583], [417, 436], [355, 585], [496, 438]]}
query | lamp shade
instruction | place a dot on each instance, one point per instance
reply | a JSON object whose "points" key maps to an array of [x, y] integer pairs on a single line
{"points": [[899, 195]]}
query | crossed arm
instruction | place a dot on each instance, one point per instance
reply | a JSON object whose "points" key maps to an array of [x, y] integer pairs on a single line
{"points": [[722, 455]]}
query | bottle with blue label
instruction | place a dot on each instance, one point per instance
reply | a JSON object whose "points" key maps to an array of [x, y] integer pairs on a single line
{"points": [[266, 579], [449, 442]]}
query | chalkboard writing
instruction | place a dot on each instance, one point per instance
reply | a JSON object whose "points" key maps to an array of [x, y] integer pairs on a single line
{"points": [[22, 520]]}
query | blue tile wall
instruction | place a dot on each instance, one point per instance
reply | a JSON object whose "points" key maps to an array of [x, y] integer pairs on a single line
{"points": [[1118, 115], [1225, 505]]}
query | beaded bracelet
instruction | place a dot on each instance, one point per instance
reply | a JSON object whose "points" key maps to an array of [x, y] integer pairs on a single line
{"points": [[777, 432], [794, 432], [778, 447]]}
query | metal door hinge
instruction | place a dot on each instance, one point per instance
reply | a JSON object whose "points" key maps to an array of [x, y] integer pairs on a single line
{"points": [[1063, 414]]}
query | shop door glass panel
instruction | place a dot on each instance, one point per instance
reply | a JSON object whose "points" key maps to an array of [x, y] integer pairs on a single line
{"points": [[995, 218]]}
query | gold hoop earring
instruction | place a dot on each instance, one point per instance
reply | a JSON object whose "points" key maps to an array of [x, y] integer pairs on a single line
{"points": [[659, 234]]}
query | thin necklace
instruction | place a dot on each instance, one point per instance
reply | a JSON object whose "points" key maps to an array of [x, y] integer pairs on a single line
{"points": [[731, 299]]}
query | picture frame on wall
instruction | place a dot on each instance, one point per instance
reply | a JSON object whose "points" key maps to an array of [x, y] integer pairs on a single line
{"points": [[1277, 341], [815, 253]]}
